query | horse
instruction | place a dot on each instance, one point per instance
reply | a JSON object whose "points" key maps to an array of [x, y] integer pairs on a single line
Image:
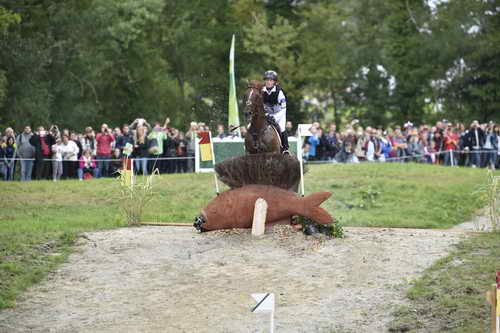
{"points": [[261, 136]]}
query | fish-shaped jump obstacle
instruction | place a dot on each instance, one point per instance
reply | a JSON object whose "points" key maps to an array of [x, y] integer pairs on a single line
{"points": [[235, 208]]}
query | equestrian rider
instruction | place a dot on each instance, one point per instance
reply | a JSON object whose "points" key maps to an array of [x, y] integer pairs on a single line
{"points": [[275, 106]]}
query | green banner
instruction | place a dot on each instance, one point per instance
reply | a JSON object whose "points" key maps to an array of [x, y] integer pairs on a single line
{"points": [[233, 118]]}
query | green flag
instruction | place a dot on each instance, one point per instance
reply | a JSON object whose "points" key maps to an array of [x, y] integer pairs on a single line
{"points": [[234, 120]]}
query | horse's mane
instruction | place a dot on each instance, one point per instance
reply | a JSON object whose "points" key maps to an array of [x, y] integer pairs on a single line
{"points": [[255, 84]]}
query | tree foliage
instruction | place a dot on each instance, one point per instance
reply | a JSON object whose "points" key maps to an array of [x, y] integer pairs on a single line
{"points": [[83, 62]]}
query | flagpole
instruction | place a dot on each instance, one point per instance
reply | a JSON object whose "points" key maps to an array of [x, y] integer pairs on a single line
{"points": [[213, 162], [233, 118]]}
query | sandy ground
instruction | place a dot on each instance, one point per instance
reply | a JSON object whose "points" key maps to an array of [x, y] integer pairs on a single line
{"points": [[171, 279]]}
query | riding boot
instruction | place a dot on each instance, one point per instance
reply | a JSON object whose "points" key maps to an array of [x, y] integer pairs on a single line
{"points": [[284, 142]]}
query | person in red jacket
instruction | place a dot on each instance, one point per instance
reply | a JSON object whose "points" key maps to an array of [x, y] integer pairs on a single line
{"points": [[104, 141], [450, 146]]}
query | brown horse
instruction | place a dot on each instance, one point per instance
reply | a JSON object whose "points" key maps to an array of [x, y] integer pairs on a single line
{"points": [[261, 137]]}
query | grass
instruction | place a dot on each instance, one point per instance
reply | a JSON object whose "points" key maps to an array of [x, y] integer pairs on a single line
{"points": [[450, 297], [40, 221]]}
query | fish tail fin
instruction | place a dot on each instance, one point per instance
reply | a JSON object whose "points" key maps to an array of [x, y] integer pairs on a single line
{"points": [[312, 209]]}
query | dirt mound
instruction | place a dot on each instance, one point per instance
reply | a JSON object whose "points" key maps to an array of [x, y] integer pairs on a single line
{"points": [[171, 279]]}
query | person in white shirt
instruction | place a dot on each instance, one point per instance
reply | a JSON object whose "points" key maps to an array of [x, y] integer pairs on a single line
{"points": [[70, 157]]}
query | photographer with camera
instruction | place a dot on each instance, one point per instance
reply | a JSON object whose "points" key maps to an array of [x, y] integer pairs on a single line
{"points": [[104, 140]]}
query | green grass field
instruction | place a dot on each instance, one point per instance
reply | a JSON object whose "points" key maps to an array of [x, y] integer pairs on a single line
{"points": [[450, 296], [39, 221]]}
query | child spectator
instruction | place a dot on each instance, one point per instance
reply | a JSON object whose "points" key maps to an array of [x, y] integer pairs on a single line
{"points": [[9, 156], [87, 167], [57, 160], [450, 144]]}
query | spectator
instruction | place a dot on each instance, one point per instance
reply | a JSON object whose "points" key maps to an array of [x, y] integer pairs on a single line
{"points": [[497, 133], [191, 138], [87, 167], [451, 139], [361, 141], [74, 137], [3, 168], [475, 141], [400, 145], [88, 141], [116, 164], [221, 134], [141, 150], [156, 138], [491, 146], [43, 141], [415, 146], [372, 146], [321, 149], [385, 146], [125, 137], [9, 157], [313, 142], [346, 153], [170, 150], [181, 152], [463, 158], [331, 144], [306, 149], [104, 141], [26, 152], [57, 160], [9, 133], [70, 157], [288, 128]]}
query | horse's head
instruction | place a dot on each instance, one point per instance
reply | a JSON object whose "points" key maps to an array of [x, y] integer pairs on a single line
{"points": [[253, 100]]}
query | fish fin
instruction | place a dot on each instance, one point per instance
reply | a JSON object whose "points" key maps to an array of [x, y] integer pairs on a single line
{"points": [[312, 209]]}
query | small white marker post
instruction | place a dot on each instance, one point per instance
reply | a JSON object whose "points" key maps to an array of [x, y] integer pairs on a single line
{"points": [[303, 130], [259, 217], [265, 303]]}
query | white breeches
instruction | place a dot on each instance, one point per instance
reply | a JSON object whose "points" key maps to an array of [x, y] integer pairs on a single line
{"points": [[280, 118]]}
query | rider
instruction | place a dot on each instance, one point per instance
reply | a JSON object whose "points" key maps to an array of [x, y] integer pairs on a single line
{"points": [[275, 105]]}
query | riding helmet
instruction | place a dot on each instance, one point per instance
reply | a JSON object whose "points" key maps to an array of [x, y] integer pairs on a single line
{"points": [[272, 75]]}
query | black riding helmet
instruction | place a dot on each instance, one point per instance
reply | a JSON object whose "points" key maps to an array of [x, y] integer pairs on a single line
{"points": [[272, 75]]}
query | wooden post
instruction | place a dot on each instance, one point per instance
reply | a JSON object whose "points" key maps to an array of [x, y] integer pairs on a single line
{"points": [[491, 297], [259, 217]]}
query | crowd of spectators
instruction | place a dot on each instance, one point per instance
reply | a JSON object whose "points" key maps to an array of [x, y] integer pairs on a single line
{"points": [[63, 154], [444, 143]]}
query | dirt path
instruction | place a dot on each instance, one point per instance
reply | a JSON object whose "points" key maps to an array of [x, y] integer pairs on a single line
{"points": [[171, 279]]}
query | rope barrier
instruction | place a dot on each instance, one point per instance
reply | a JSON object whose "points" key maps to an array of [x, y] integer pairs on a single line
{"points": [[392, 159], [107, 160]]}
